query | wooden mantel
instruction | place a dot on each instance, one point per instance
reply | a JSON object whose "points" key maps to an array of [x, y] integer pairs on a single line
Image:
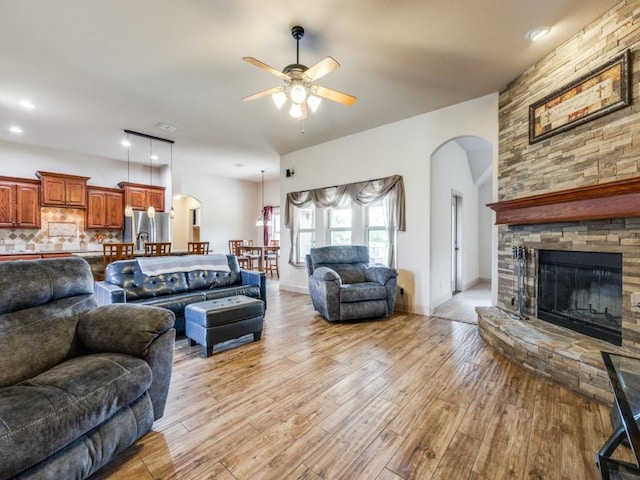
{"points": [[607, 200]]}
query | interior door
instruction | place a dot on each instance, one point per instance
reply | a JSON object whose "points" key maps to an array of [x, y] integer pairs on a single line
{"points": [[456, 204]]}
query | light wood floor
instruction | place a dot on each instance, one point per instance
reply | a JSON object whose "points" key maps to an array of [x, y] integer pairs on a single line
{"points": [[409, 397]]}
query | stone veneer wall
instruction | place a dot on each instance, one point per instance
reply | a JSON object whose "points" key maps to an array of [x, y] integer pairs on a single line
{"points": [[600, 151]]}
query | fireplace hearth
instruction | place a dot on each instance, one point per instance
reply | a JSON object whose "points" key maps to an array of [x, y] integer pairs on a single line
{"points": [[581, 291]]}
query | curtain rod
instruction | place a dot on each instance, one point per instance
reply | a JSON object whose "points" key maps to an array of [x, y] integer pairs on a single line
{"points": [[131, 132]]}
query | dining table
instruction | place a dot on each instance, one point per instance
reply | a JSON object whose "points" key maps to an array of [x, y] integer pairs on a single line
{"points": [[259, 252]]}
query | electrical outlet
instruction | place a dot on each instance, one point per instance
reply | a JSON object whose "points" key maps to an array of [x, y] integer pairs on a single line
{"points": [[402, 291]]}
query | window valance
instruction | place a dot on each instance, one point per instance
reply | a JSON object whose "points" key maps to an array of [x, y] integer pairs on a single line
{"points": [[389, 190]]}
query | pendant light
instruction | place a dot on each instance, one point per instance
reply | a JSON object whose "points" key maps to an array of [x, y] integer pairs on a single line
{"points": [[172, 212], [151, 212], [260, 221], [128, 210]]}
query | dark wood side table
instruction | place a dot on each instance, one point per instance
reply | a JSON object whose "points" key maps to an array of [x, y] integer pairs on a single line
{"points": [[624, 376]]}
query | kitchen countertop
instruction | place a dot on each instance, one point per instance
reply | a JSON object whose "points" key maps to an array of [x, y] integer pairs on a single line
{"points": [[83, 253]]}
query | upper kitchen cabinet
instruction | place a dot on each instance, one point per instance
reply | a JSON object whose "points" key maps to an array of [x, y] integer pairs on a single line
{"points": [[19, 203], [141, 196], [105, 209], [62, 190]]}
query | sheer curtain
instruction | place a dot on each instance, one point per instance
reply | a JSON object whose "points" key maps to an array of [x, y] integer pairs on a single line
{"points": [[389, 190]]}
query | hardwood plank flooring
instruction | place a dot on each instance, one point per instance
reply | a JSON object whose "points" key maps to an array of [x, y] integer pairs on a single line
{"points": [[408, 397]]}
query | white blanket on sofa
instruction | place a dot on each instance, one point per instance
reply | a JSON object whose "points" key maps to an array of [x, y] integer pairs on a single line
{"points": [[154, 266]]}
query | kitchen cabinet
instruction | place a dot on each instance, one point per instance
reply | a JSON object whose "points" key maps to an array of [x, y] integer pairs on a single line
{"points": [[141, 196], [62, 190], [105, 208], [32, 256], [19, 203]]}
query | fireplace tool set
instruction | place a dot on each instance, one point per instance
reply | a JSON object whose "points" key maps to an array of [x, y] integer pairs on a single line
{"points": [[519, 255]]}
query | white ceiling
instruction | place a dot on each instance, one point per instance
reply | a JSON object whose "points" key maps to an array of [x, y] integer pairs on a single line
{"points": [[94, 68]]}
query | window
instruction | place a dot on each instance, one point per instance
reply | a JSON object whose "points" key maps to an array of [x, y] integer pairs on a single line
{"points": [[378, 231], [306, 233], [275, 225], [340, 222], [356, 225], [377, 235]]}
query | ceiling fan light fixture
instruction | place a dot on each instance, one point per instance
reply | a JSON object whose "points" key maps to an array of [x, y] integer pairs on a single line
{"points": [[314, 102], [279, 98], [298, 93], [296, 110], [300, 87]]}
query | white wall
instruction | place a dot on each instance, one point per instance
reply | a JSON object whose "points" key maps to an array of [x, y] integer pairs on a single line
{"points": [[20, 160], [402, 148], [450, 173], [485, 218], [228, 208]]}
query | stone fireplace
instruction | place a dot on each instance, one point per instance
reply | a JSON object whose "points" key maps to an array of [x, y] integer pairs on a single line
{"points": [[578, 271], [575, 191], [581, 221]]}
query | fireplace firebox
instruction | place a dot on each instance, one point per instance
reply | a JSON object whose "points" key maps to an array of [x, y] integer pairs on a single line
{"points": [[582, 291]]}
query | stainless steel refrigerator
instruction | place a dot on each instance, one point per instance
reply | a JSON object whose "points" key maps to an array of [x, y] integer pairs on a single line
{"points": [[141, 229]]}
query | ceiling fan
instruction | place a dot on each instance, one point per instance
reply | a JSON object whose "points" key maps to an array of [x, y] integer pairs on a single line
{"points": [[299, 86]]}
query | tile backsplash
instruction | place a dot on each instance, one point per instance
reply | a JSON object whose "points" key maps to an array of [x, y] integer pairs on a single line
{"points": [[61, 229]]}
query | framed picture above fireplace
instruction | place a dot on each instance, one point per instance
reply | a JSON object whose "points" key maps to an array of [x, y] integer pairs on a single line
{"points": [[599, 92]]}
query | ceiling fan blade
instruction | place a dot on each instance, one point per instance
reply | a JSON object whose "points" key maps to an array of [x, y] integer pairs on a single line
{"points": [[264, 93], [322, 68], [334, 95], [266, 67]]}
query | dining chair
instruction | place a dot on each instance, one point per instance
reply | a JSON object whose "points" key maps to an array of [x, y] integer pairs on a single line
{"points": [[272, 259], [251, 255], [198, 248], [235, 248], [157, 249], [115, 251]]}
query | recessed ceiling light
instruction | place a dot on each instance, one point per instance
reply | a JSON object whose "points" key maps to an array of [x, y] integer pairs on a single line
{"points": [[537, 33], [27, 104], [15, 129], [125, 143], [239, 165]]}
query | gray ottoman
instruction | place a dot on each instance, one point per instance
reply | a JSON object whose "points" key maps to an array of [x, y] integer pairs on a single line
{"points": [[215, 321]]}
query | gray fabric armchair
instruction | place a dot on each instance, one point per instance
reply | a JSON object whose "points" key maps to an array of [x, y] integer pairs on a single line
{"points": [[78, 383], [345, 286]]}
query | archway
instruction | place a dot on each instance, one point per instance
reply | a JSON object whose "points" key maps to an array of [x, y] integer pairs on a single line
{"points": [[186, 223], [461, 224]]}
